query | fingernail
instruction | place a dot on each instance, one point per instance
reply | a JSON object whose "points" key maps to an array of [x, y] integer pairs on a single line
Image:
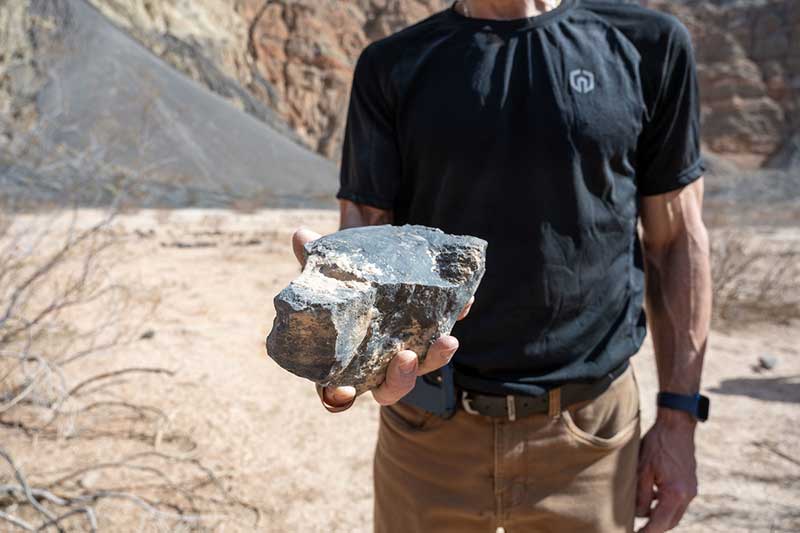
{"points": [[343, 394], [409, 366]]}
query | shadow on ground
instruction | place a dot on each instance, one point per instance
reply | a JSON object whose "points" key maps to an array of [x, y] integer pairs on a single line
{"points": [[777, 389]]}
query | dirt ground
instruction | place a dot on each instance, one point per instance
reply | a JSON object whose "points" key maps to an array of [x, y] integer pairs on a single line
{"points": [[216, 272]]}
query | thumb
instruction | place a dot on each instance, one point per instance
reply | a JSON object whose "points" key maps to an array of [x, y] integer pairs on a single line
{"points": [[299, 240]]}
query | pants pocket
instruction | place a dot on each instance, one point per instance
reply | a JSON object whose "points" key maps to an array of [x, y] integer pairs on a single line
{"points": [[609, 443], [610, 420]]}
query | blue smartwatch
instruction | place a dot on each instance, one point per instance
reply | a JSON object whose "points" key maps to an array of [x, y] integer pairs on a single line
{"points": [[696, 405]]}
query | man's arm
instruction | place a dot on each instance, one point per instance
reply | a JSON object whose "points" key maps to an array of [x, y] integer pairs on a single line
{"points": [[402, 372], [678, 299]]}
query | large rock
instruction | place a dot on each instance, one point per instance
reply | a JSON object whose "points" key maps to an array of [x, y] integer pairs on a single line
{"points": [[366, 293]]}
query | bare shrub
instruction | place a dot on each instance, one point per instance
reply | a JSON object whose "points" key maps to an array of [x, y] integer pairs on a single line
{"points": [[753, 280], [61, 311]]}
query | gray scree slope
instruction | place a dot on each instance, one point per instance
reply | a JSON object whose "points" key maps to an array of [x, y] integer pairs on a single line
{"points": [[109, 99], [366, 293]]}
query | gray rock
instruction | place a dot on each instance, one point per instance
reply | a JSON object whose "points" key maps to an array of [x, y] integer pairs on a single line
{"points": [[767, 362], [366, 293]]}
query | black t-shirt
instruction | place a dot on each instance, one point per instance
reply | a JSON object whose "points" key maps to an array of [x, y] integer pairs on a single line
{"points": [[539, 135]]}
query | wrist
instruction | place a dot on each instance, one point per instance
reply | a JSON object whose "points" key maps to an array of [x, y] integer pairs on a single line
{"points": [[676, 420], [675, 408]]}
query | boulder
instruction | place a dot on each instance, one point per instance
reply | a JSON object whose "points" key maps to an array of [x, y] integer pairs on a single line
{"points": [[366, 293]]}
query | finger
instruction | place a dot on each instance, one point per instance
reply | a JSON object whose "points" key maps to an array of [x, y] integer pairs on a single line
{"points": [[676, 519], [400, 378], [299, 239], [338, 398], [684, 497], [465, 311], [644, 493], [439, 354], [661, 515]]}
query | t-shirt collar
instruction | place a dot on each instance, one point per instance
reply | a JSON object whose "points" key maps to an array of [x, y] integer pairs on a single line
{"points": [[513, 24]]}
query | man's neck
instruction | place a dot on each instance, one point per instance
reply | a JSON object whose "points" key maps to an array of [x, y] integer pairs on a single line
{"points": [[506, 9]]}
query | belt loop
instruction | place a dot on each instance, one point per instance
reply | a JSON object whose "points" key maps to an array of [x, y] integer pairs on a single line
{"points": [[554, 402]]}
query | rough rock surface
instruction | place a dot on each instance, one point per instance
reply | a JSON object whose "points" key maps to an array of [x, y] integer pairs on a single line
{"points": [[366, 293]]}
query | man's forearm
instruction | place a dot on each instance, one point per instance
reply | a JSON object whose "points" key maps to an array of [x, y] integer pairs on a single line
{"points": [[679, 294]]}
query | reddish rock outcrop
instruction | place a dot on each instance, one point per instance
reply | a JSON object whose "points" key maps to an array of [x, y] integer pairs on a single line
{"points": [[748, 57], [306, 50]]}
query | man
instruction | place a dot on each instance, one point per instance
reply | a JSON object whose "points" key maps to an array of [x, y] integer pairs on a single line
{"points": [[550, 130]]}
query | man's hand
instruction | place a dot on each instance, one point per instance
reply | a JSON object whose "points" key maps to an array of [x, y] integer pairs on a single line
{"points": [[667, 471], [402, 372]]}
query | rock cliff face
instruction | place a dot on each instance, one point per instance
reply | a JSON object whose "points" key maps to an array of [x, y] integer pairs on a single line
{"points": [[296, 57], [748, 56]]}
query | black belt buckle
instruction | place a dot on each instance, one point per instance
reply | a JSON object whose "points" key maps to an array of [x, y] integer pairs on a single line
{"points": [[434, 392]]}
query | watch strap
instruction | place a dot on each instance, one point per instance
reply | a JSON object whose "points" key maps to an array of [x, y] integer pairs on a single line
{"points": [[696, 405]]}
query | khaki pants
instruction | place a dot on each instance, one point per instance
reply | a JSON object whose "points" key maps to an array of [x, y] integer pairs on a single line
{"points": [[575, 472]]}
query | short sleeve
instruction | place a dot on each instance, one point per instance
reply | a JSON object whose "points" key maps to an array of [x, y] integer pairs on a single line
{"points": [[668, 151], [370, 170]]}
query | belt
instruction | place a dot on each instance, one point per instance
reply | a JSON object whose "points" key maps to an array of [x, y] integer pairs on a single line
{"points": [[552, 402]]}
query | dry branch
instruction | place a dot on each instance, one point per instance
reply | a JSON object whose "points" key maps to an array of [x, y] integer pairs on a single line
{"points": [[105, 375], [23, 483]]}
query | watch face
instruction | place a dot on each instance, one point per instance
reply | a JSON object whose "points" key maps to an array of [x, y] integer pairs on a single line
{"points": [[703, 404]]}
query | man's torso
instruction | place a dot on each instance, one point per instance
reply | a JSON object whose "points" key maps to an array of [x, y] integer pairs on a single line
{"points": [[525, 133]]}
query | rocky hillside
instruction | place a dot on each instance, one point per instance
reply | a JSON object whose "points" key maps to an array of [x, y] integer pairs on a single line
{"points": [[296, 56], [273, 76], [88, 113], [748, 54]]}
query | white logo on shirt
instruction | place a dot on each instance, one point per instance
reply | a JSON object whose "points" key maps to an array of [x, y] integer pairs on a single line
{"points": [[582, 81]]}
